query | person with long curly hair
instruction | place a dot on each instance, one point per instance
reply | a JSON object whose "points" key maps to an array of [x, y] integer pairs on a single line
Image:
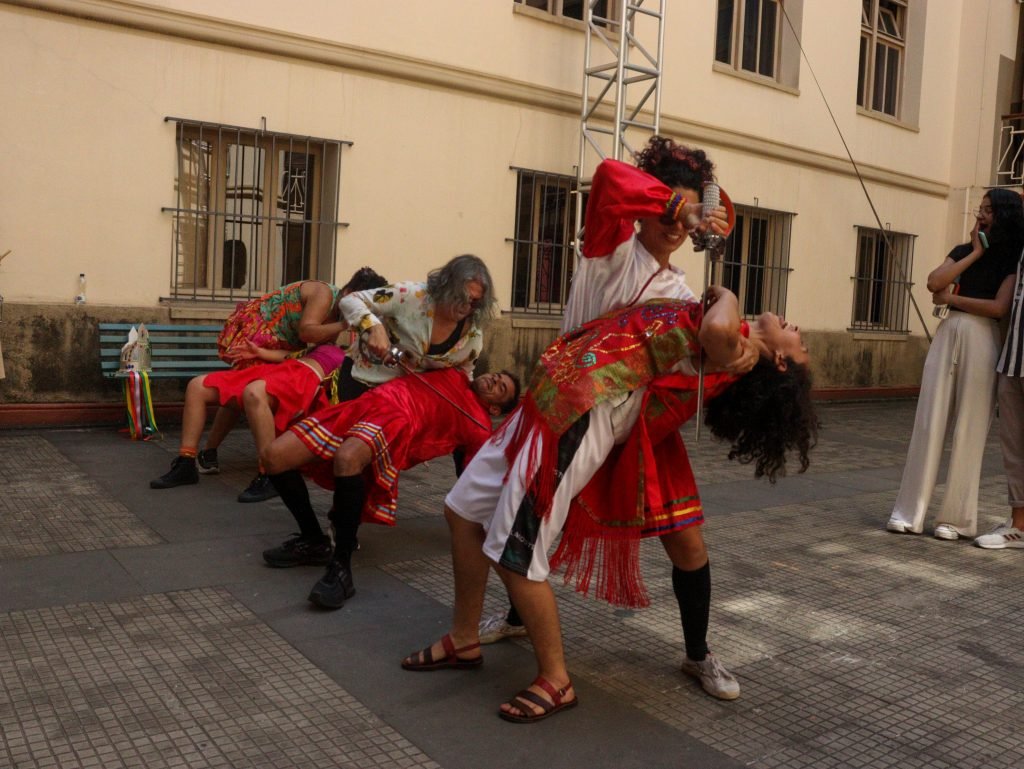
{"points": [[636, 219], [600, 421], [958, 385]]}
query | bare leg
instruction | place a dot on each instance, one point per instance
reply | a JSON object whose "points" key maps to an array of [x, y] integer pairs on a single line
{"points": [[1018, 518], [535, 602], [352, 457], [286, 452], [686, 548], [224, 422], [259, 410], [471, 568], [193, 418]]}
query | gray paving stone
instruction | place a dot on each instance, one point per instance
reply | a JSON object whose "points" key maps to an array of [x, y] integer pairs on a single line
{"points": [[140, 628]]}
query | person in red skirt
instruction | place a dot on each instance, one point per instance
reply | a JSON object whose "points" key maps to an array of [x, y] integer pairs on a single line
{"points": [[362, 445], [273, 393]]}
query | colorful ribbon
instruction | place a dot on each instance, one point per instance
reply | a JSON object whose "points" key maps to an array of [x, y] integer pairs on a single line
{"points": [[139, 404]]}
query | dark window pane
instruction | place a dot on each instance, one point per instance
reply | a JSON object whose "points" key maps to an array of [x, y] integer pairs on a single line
{"points": [[766, 59], [574, 9], [723, 32], [751, 14], [878, 84], [892, 75], [862, 72]]}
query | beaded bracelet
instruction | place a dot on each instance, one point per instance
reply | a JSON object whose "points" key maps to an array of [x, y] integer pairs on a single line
{"points": [[674, 206]]}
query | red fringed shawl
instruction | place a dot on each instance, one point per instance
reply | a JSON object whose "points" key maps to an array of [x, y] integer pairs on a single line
{"points": [[645, 487]]}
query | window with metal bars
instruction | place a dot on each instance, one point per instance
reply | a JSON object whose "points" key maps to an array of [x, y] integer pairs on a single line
{"points": [[881, 290], [755, 265], [883, 36], [542, 248], [254, 210]]}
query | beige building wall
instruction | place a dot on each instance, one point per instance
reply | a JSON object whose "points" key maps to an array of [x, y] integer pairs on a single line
{"points": [[439, 100]]}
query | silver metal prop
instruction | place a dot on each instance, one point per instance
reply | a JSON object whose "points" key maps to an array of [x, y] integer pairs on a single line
{"points": [[395, 357]]}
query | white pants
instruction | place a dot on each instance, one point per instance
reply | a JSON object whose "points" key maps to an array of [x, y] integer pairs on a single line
{"points": [[516, 538], [958, 386]]}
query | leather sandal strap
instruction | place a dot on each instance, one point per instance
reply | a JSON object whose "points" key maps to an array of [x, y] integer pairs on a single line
{"points": [[448, 645], [469, 648], [555, 694], [526, 696]]}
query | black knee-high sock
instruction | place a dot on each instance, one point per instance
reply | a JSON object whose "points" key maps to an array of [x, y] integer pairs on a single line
{"points": [[693, 592], [349, 496], [292, 488]]}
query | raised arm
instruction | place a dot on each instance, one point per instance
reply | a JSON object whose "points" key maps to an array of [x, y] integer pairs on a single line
{"points": [[619, 195]]}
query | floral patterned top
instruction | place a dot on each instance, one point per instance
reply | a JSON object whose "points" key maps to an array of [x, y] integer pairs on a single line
{"points": [[408, 316], [282, 309]]}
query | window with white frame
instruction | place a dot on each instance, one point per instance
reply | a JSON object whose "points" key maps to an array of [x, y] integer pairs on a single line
{"points": [[747, 35], [883, 42], [255, 210], [755, 265], [570, 9], [881, 292], [759, 39], [542, 248]]}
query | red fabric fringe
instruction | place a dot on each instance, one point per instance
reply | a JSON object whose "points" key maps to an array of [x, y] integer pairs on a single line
{"points": [[587, 547]]}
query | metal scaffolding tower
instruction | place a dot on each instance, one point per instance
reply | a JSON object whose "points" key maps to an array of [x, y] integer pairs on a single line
{"points": [[621, 84]]}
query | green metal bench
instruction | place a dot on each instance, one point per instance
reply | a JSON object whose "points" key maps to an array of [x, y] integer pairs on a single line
{"points": [[179, 351]]}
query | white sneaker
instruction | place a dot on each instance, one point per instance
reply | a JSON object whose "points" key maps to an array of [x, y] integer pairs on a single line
{"points": [[716, 680], [946, 531], [1002, 536], [496, 628], [897, 526]]}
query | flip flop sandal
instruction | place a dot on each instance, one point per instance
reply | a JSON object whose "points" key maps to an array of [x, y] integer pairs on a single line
{"points": [[522, 702], [424, 660]]}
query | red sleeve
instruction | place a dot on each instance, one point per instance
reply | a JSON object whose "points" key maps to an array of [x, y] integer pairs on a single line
{"points": [[619, 195]]}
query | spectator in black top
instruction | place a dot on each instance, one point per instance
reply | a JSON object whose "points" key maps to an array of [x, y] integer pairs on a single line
{"points": [[958, 383]]}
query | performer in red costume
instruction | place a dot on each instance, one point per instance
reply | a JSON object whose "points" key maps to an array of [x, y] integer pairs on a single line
{"points": [[368, 441], [637, 218], [601, 414], [273, 394]]}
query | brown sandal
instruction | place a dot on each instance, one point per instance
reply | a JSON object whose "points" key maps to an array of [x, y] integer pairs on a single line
{"points": [[525, 698], [424, 660]]}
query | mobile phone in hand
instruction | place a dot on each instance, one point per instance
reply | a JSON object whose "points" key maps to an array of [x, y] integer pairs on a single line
{"points": [[983, 238]]}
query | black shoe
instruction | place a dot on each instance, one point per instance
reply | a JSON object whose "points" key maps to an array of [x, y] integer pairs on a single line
{"points": [[259, 489], [182, 472], [207, 461], [334, 588], [299, 551]]}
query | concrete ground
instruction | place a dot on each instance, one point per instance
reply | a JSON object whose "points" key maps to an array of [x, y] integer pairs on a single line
{"points": [[139, 628]]}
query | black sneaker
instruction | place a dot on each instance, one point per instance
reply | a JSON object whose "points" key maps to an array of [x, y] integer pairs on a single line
{"points": [[207, 461], [182, 472], [334, 588], [298, 551], [260, 489]]}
